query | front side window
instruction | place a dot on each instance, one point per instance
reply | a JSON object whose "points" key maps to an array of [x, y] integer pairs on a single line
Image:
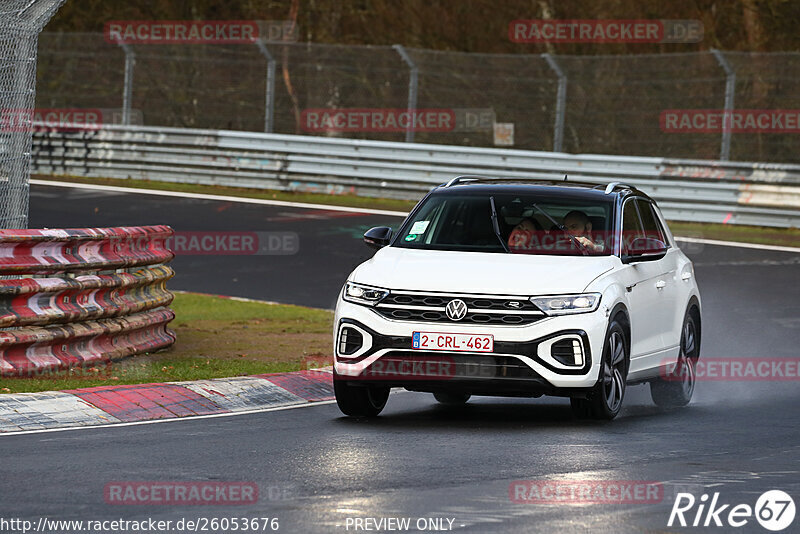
{"points": [[652, 228], [631, 225], [525, 224]]}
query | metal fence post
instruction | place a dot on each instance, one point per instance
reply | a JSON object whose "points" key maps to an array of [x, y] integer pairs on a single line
{"points": [[413, 80], [561, 103], [730, 88], [269, 91], [127, 90], [20, 24]]}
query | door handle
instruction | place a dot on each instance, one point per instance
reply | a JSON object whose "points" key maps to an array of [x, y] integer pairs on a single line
{"points": [[661, 284]]}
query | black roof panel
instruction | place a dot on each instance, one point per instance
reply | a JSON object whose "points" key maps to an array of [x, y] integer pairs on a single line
{"points": [[546, 187]]}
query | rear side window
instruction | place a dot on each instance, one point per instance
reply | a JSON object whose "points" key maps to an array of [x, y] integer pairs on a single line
{"points": [[652, 228]]}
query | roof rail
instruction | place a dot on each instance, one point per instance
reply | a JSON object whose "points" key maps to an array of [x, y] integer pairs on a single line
{"points": [[610, 187], [463, 178]]}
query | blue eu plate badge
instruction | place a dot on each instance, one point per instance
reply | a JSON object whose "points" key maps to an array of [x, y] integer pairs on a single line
{"points": [[415, 340]]}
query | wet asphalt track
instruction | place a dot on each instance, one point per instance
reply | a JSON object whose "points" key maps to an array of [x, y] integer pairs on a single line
{"points": [[421, 459], [328, 248]]}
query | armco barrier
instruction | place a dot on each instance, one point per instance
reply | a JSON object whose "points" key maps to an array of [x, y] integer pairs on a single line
{"points": [[82, 311], [694, 190]]}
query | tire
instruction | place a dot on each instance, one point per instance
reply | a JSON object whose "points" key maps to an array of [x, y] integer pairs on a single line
{"points": [[677, 391], [360, 401], [452, 399], [604, 402]]}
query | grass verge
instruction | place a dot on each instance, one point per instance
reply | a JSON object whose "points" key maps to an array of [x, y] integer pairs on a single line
{"points": [[786, 237], [723, 232], [217, 337]]}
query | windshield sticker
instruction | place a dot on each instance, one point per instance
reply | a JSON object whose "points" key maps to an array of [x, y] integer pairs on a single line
{"points": [[419, 227], [411, 237]]}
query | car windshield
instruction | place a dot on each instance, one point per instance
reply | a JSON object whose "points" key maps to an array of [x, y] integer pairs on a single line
{"points": [[526, 223]]}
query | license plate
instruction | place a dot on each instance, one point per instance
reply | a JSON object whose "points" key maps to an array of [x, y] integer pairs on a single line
{"points": [[452, 342]]}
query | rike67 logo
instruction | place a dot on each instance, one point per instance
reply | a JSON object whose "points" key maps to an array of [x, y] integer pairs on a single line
{"points": [[774, 510]]}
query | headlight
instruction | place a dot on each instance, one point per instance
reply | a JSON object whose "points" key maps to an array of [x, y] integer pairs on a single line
{"points": [[567, 304], [363, 294]]}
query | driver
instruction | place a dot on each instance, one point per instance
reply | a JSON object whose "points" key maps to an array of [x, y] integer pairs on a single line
{"points": [[522, 235], [579, 226]]}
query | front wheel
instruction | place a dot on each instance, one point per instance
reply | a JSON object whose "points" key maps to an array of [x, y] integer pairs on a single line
{"points": [[360, 401], [605, 399], [676, 388]]}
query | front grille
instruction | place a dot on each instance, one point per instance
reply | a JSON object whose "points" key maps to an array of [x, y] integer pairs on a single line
{"points": [[430, 307]]}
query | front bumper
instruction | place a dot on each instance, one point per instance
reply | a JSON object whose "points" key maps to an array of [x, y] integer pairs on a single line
{"points": [[517, 365]]}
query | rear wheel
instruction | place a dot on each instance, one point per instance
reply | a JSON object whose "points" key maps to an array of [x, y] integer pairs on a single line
{"points": [[452, 399], [676, 389], [605, 399], [360, 401]]}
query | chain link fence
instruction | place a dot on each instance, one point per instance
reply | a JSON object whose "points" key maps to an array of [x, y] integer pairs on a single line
{"points": [[579, 104], [20, 24]]}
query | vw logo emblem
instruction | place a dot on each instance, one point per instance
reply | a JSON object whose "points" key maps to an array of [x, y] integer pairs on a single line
{"points": [[456, 309]]}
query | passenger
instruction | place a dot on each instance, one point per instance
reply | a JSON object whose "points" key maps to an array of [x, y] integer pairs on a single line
{"points": [[579, 226], [523, 233]]}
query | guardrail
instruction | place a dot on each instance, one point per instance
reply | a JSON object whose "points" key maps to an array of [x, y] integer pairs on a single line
{"points": [[82, 311], [690, 190]]}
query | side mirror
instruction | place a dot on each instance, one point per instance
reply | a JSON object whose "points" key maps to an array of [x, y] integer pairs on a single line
{"points": [[645, 249], [378, 237]]}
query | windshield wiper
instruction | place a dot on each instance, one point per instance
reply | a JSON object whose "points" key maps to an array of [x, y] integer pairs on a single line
{"points": [[496, 225], [580, 246]]}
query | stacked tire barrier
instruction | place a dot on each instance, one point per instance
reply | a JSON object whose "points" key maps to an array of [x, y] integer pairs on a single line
{"points": [[96, 294]]}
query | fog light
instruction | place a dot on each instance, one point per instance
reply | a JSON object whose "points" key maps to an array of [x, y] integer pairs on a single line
{"points": [[350, 340], [568, 352]]}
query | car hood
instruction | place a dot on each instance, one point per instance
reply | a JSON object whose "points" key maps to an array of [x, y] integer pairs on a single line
{"points": [[480, 272]]}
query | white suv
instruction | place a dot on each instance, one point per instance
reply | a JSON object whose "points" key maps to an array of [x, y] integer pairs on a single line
{"points": [[520, 288]]}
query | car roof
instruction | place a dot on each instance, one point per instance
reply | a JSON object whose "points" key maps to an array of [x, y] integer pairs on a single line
{"points": [[566, 188]]}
